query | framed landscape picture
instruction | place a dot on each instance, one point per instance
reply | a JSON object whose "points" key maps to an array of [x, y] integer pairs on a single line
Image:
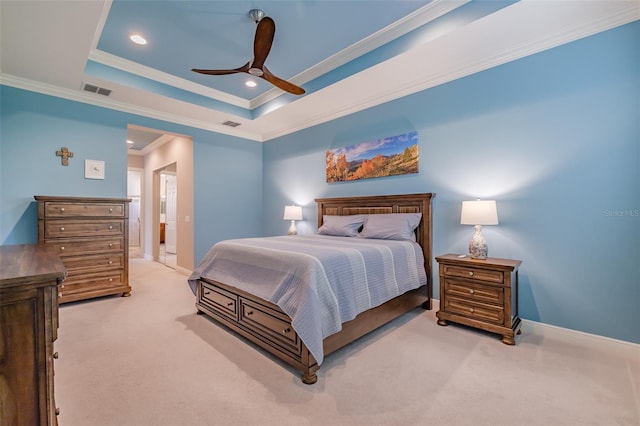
{"points": [[390, 156]]}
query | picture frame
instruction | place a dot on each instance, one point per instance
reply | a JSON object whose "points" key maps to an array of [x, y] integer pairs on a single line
{"points": [[93, 169]]}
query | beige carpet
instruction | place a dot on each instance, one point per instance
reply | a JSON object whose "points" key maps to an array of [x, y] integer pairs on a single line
{"points": [[150, 360]]}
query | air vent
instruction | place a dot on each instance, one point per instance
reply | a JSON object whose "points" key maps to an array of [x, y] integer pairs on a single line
{"points": [[231, 123], [96, 89]]}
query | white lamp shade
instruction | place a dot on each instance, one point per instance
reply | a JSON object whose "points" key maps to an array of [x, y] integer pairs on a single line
{"points": [[479, 212], [292, 213]]}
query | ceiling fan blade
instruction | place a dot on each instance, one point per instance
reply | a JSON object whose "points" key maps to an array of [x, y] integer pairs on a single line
{"points": [[244, 68], [265, 32], [282, 84]]}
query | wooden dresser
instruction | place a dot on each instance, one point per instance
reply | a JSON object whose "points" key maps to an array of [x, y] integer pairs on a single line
{"points": [[480, 293], [29, 280], [91, 235]]}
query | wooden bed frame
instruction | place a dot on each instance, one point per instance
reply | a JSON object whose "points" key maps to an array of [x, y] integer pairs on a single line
{"points": [[266, 325]]}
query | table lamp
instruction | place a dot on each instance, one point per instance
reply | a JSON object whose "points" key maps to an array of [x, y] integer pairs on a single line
{"points": [[292, 213], [478, 213]]}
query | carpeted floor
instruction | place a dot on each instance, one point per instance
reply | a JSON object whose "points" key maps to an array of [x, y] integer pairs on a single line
{"points": [[150, 360]]}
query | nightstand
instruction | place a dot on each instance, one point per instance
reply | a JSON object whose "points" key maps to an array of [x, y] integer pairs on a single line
{"points": [[480, 293]]}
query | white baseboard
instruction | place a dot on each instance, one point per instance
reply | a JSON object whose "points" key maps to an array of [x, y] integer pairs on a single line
{"points": [[621, 347]]}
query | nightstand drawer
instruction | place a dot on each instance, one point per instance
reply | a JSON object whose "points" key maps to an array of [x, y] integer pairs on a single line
{"points": [[473, 291], [481, 312], [474, 273]]}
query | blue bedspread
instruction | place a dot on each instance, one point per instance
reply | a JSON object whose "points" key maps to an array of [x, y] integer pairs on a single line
{"points": [[319, 281]]}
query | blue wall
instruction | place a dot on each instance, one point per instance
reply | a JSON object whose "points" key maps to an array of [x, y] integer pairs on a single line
{"points": [[553, 137], [227, 170]]}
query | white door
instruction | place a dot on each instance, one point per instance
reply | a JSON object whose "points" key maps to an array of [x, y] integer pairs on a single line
{"points": [[134, 191], [171, 217]]}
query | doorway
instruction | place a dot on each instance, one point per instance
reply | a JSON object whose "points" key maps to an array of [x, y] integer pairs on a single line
{"points": [[134, 193], [167, 249]]}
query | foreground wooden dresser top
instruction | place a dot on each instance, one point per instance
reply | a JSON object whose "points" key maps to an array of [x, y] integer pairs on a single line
{"points": [[29, 280], [91, 235]]}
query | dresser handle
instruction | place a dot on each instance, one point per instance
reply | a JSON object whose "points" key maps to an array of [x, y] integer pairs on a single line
{"points": [[110, 210], [61, 209], [110, 279], [471, 291], [206, 292], [55, 355], [470, 273], [62, 248], [110, 226], [110, 262], [286, 330], [110, 245], [57, 411], [471, 310], [61, 228], [250, 313], [230, 304]]}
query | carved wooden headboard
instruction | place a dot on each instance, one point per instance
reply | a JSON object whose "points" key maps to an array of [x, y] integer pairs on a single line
{"points": [[377, 204]]}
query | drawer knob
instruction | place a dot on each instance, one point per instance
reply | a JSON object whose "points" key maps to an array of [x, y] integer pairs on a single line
{"points": [[250, 313], [471, 310], [470, 273], [471, 291], [286, 330], [207, 292], [110, 262], [61, 209], [230, 304], [110, 226], [55, 355], [110, 279], [62, 248], [110, 245], [62, 228], [110, 210]]}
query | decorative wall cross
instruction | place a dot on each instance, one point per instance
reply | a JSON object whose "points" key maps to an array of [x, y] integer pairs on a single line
{"points": [[65, 154]]}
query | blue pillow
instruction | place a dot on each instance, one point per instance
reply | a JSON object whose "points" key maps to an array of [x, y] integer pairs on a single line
{"points": [[341, 226], [392, 226]]}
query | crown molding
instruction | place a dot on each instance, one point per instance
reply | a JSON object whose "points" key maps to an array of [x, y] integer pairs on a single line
{"points": [[104, 102]]}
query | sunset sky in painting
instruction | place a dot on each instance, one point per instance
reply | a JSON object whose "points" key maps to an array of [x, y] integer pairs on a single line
{"points": [[383, 146]]}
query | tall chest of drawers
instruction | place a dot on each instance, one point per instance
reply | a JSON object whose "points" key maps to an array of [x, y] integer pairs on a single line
{"points": [[91, 236], [480, 293]]}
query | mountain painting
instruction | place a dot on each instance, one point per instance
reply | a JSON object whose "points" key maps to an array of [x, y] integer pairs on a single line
{"points": [[395, 155]]}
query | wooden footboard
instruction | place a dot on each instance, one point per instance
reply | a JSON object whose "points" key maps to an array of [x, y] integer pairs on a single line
{"points": [[264, 323]]}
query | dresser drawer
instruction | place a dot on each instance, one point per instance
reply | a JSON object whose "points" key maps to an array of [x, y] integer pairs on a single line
{"points": [[60, 209], [220, 300], [474, 273], [95, 262], [273, 323], [70, 247], [83, 228], [478, 311], [108, 277], [473, 291]]}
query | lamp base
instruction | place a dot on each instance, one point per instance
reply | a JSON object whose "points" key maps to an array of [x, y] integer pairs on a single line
{"points": [[292, 228], [478, 246]]}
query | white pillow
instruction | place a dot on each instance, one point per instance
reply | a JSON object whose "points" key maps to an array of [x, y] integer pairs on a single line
{"points": [[341, 226], [392, 226]]}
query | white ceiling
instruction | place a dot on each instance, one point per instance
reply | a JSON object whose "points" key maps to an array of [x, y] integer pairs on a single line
{"points": [[46, 46]]}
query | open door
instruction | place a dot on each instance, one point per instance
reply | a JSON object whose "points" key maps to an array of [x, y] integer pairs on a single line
{"points": [[171, 213]]}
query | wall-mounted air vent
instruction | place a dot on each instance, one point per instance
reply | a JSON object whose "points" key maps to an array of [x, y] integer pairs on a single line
{"points": [[231, 123], [96, 89]]}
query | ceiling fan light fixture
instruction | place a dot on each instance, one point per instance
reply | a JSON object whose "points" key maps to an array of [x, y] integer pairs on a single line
{"points": [[138, 39]]}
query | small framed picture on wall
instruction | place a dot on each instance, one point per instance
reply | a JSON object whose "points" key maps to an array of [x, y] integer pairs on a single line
{"points": [[93, 169]]}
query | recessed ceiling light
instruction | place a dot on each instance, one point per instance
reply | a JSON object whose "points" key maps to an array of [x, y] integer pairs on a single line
{"points": [[138, 39], [250, 83]]}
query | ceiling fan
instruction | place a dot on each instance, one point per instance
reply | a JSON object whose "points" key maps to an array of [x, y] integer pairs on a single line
{"points": [[265, 31]]}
